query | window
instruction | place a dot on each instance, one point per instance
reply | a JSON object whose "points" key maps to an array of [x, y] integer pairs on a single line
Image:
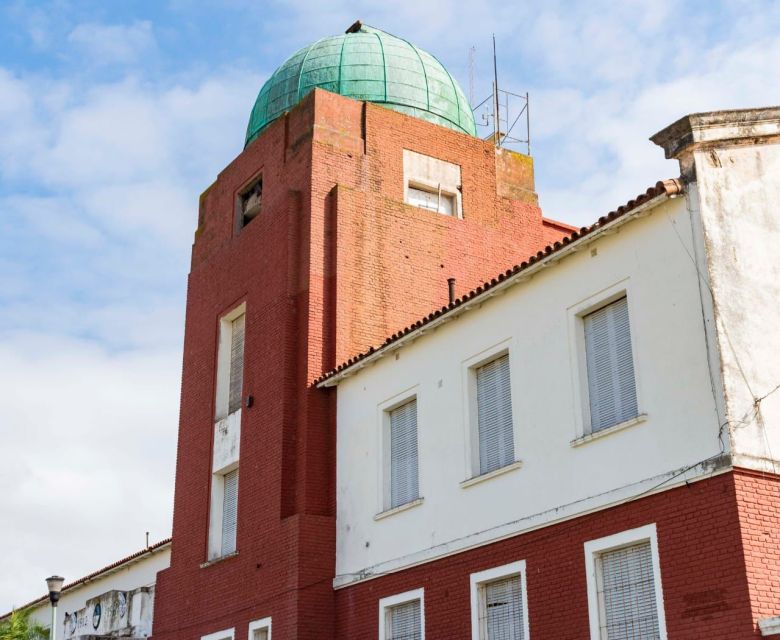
{"points": [[403, 454], [433, 199], [250, 202], [610, 366], [624, 586], [229, 512], [227, 634], [402, 617], [260, 629], [494, 415], [498, 603], [230, 364]]}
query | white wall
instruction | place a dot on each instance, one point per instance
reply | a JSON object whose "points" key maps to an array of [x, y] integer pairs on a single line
{"points": [[737, 195], [140, 573], [650, 257]]}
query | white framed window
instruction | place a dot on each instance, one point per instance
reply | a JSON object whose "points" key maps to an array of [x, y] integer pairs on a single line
{"points": [[402, 616], [401, 439], [432, 198], [493, 404], [230, 362], [499, 605], [260, 629], [227, 634], [433, 184], [625, 597], [609, 358], [223, 519]]}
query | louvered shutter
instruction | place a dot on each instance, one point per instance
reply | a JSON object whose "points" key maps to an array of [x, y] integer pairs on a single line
{"points": [[405, 622], [504, 616], [494, 415], [610, 364], [236, 363], [403, 454], [229, 512], [627, 594]]}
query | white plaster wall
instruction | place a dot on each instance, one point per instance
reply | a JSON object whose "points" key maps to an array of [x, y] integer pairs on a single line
{"points": [[737, 195], [650, 257], [142, 573]]}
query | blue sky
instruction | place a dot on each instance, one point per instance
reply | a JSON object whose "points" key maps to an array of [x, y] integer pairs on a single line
{"points": [[114, 116]]}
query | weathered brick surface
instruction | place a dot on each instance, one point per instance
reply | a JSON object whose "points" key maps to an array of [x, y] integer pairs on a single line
{"points": [[333, 264], [706, 593]]}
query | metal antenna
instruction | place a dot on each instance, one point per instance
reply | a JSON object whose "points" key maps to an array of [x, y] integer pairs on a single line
{"points": [[497, 118], [472, 53]]}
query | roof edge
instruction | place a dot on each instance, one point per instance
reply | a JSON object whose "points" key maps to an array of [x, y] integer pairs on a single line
{"points": [[660, 192], [107, 570]]}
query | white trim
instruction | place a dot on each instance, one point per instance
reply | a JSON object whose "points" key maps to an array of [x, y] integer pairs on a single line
{"points": [[593, 548], [226, 634], [480, 578], [401, 507], [401, 598], [524, 274], [259, 625], [649, 486], [769, 626], [470, 482], [470, 421], [577, 353], [383, 446], [589, 437]]}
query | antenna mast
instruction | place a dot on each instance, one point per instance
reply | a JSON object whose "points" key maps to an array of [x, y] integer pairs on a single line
{"points": [[497, 118]]}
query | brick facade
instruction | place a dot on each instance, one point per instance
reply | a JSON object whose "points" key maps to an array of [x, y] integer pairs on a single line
{"points": [[704, 532], [334, 263]]}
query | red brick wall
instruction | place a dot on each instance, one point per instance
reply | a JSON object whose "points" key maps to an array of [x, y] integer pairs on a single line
{"points": [[706, 594], [333, 263], [758, 500]]}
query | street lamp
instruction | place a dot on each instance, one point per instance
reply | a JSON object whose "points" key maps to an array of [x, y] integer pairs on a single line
{"points": [[55, 586]]}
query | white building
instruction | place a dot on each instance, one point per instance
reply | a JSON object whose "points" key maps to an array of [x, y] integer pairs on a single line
{"points": [[613, 395], [115, 601]]}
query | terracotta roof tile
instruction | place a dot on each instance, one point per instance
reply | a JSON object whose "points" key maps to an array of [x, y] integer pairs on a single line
{"points": [[671, 187]]}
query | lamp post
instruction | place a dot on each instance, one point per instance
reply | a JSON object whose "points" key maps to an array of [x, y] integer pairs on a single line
{"points": [[54, 583]]}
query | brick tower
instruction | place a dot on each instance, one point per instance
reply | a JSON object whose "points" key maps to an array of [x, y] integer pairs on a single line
{"points": [[361, 190]]}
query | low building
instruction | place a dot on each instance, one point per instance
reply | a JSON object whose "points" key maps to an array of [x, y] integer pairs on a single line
{"points": [[115, 601]]}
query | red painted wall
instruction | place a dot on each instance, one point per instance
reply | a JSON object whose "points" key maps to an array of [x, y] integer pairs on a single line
{"points": [[700, 535], [334, 263]]}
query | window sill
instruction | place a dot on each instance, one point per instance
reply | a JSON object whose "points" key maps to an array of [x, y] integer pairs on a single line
{"points": [[208, 563], [605, 432], [491, 474], [404, 507]]}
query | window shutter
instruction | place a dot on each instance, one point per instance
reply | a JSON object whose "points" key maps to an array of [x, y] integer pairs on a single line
{"points": [[229, 512], [628, 594], [504, 610], [610, 363], [494, 415], [236, 363], [405, 622], [403, 454]]}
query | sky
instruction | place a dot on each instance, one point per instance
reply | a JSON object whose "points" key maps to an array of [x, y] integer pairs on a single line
{"points": [[115, 116]]}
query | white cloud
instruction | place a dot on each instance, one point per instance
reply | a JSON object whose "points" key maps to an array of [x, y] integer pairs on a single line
{"points": [[113, 43]]}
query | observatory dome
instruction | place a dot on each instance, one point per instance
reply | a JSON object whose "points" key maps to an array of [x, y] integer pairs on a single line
{"points": [[366, 64]]}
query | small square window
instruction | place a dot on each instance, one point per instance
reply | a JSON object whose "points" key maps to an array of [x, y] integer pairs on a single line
{"points": [[498, 603], [433, 199], [260, 629], [250, 202]]}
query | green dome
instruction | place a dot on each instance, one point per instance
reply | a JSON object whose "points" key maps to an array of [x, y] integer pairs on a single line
{"points": [[366, 64]]}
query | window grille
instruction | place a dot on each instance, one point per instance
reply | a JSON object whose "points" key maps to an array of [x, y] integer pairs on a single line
{"points": [[229, 512], [405, 621], [626, 591], [502, 617], [236, 363], [403, 454], [610, 365], [494, 415]]}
